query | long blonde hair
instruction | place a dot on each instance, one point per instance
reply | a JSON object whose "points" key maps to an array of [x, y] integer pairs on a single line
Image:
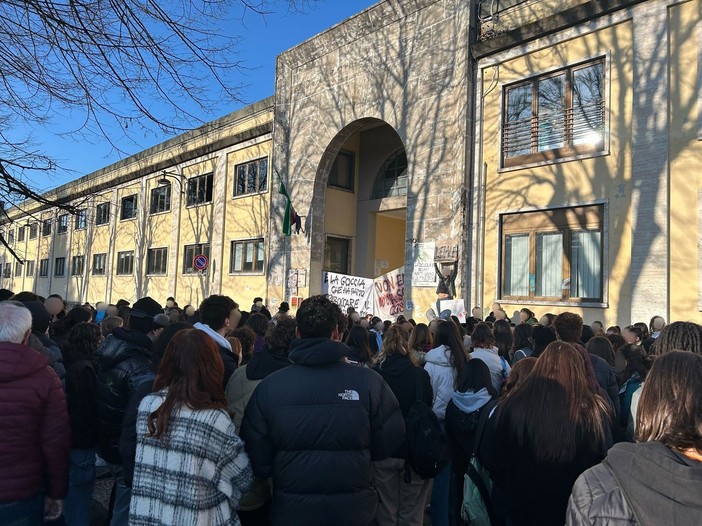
{"points": [[395, 341]]}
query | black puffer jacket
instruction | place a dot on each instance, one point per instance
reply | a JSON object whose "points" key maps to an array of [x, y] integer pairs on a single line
{"points": [[81, 396], [315, 427], [123, 360], [638, 484]]}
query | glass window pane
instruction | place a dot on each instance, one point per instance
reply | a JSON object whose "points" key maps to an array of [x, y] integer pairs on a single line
{"points": [[549, 264], [552, 113], [516, 282], [241, 179], [251, 177], [588, 109], [238, 257], [586, 264], [517, 132], [263, 175]]}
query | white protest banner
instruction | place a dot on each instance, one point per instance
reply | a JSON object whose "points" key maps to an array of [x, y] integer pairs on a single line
{"points": [[349, 291], [423, 273], [457, 308], [389, 292]]}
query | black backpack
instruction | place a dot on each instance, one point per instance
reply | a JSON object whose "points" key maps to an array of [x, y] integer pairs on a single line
{"points": [[427, 445]]}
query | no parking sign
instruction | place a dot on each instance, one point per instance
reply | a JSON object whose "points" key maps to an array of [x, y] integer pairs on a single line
{"points": [[200, 262]]}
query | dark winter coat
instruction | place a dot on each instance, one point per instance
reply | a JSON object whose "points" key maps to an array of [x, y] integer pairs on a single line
{"points": [[81, 395], [408, 383], [643, 484], [462, 425], [607, 381], [49, 348], [128, 437], [123, 359], [538, 490], [35, 440], [315, 427]]}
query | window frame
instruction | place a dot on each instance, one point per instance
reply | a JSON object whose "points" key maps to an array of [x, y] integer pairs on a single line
{"points": [[62, 224], [564, 220], [11, 236], [81, 220], [44, 268], [46, 227], [77, 261], [257, 162], [18, 269], [60, 267], [568, 151], [102, 218], [135, 207], [168, 191], [7, 271], [33, 231], [121, 258], [196, 182], [351, 158], [256, 241], [21, 234], [93, 269], [380, 190], [163, 251], [349, 253], [188, 268], [29, 270]]}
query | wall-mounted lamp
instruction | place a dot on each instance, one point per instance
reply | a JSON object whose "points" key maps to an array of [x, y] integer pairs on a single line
{"points": [[163, 180]]}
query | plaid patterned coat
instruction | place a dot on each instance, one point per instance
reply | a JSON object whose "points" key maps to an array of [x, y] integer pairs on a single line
{"points": [[196, 475]]}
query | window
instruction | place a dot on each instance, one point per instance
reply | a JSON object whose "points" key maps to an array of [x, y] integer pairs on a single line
{"points": [[160, 199], [43, 268], [33, 228], [81, 219], [99, 264], [251, 177], [157, 261], [11, 237], [337, 251], [125, 263], [102, 214], [7, 273], [30, 269], [46, 227], [77, 265], [343, 172], [199, 190], [20, 233], [18, 268], [128, 209], [62, 227], [189, 254], [553, 255], [558, 115], [59, 267], [247, 256], [392, 178]]}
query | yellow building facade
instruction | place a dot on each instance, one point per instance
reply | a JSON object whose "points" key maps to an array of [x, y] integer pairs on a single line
{"points": [[550, 149]]}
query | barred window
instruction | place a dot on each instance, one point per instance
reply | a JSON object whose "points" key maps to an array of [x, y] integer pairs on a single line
{"points": [[553, 116]]}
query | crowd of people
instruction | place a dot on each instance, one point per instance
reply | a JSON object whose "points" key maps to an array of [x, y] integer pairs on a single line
{"points": [[218, 416]]}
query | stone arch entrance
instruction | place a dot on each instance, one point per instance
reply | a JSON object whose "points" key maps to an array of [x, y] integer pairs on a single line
{"points": [[359, 222]]}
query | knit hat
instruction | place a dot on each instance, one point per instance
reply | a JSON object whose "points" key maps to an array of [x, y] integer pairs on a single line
{"points": [[40, 316], [148, 305], [141, 317]]}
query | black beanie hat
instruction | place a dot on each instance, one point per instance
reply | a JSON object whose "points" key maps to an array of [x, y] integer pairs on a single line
{"points": [[40, 316]]}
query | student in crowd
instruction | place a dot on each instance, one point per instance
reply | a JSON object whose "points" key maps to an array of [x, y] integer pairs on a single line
{"points": [[403, 493], [258, 323], [420, 343], [484, 349], [544, 435], [36, 436], [316, 426], [255, 505], [503, 338], [541, 336], [124, 359], [520, 372], [521, 346], [359, 346], [473, 395], [80, 355], [527, 316], [445, 363], [247, 339], [219, 315], [375, 337], [634, 365], [632, 335], [110, 323], [547, 319], [598, 329], [600, 346], [190, 466], [659, 479], [613, 329], [656, 326]]}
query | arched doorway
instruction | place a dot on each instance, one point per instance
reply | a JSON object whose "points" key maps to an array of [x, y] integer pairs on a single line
{"points": [[363, 177]]}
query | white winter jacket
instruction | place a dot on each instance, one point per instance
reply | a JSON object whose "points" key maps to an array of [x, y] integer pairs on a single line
{"points": [[442, 376]]}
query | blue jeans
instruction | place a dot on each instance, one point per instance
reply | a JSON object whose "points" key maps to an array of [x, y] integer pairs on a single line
{"points": [[440, 495], [26, 512], [80, 488], [123, 496]]}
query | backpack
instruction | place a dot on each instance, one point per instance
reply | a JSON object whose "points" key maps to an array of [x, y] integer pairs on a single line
{"points": [[476, 508], [427, 445]]}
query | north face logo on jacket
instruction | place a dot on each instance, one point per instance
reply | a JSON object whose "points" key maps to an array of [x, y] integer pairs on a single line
{"points": [[349, 394]]}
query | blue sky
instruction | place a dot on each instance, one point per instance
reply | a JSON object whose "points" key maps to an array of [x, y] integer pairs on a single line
{"points": [[263, 38]]}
